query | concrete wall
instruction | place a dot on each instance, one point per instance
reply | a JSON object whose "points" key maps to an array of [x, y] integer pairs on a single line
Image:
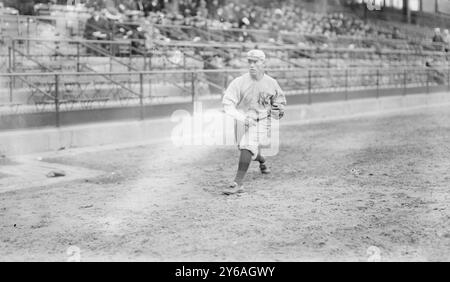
{"points": [[51, 139]]}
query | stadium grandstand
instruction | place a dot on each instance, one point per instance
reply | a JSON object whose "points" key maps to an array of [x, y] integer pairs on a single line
{"points": [[69, 55]]}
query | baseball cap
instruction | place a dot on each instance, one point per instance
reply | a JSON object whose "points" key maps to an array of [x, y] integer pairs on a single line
{"points": [[256, 54]]}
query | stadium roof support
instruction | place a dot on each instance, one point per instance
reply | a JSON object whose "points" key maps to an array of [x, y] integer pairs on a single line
{"points": [[407, 11]]}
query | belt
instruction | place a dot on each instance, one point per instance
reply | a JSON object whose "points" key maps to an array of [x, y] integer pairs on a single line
{"points": [[269, 113]]}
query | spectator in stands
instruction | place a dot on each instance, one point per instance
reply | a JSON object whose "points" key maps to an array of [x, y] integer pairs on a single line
{"points": [[437, 38], [396, 34], [97, 27], [153, 6], [212, 7], [446, 38], [202, 11], [130, 5]]}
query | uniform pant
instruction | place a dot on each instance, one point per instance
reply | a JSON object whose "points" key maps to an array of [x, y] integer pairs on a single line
{"points": [[253, 137]]}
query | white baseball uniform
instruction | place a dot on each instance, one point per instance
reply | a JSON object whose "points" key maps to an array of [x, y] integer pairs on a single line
{"points": [[246, 97]]}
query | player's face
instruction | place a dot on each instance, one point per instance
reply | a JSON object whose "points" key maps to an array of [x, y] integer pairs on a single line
{"points": [[256, 67]]}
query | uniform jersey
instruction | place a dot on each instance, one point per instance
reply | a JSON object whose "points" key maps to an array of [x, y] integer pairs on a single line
{"points": [[254, 98]]}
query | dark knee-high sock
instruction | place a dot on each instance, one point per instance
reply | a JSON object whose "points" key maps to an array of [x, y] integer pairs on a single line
{"points": [[260, 159], [244, 163]]}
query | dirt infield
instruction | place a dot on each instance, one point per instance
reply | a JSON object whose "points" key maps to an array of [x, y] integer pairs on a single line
{"points": [[373, 188]]}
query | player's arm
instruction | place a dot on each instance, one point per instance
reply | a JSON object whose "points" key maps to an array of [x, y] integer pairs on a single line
{"points": [[231, 110], [230, 100], [279, 100]]}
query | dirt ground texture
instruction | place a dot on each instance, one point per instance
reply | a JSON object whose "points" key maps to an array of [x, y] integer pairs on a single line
{"points": [[371, 188]]}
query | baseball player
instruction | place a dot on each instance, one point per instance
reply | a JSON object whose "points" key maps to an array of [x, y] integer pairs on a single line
{"points": [[252, 100]]}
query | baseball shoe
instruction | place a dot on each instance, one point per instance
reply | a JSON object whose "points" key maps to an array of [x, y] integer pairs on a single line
{"points": [[233, 188], [264, 169]]}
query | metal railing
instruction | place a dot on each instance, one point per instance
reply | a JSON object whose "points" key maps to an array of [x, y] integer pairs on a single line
{"points": [[72, 54], [224, 35], [58, 92]]}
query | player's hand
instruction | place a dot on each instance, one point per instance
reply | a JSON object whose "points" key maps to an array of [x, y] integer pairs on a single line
{"points": [[277, 111], [250, 121]]}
